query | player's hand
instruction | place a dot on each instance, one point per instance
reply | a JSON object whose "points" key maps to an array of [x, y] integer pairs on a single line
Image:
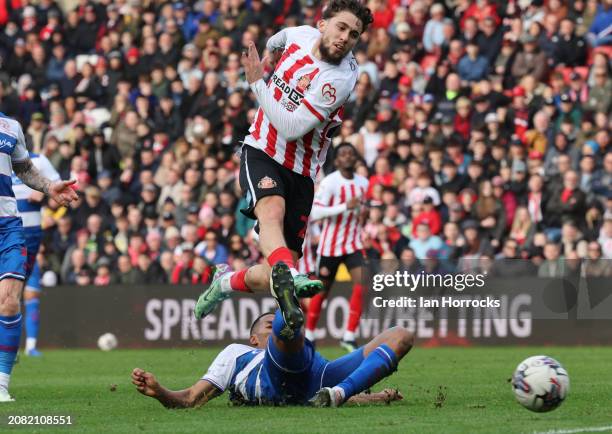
{"points": [[393, 395], [36, 197], [63, 192], [352, 203], [145, 382], [253, 66]]}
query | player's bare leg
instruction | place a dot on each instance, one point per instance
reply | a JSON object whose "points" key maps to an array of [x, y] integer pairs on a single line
{"points": [[10, 331], [380, 358], [270, 213]]}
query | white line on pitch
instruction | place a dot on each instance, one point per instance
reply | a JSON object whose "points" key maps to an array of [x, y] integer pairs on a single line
{"points": [[577, 430]]}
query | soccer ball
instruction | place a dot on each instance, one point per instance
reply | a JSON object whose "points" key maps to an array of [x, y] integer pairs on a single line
{"points": [[540, 383], [107, 342]]}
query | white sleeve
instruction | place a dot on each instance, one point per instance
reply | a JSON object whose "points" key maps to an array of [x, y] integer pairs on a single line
{"points": [[323, 98], [278, 41], [320, 207], [222, 368], [290, 125], [20, 152], [46, 169]]}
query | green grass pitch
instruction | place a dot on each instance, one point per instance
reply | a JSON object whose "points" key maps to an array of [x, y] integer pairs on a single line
{"points": [[446, 390]]}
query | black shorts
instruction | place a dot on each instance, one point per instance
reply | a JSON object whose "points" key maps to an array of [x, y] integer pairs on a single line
{"points": [[261, 176], [327, 266]]}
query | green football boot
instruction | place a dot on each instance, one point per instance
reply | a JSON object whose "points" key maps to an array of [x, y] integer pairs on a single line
{"points": [[213, 295]]}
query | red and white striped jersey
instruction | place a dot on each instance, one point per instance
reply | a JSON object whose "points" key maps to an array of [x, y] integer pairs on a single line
{"points": [[341, 232], [307, 91]]}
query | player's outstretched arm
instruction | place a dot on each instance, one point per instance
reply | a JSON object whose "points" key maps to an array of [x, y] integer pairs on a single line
{"points": [[60, 191], [195, 396], [386, 395]]}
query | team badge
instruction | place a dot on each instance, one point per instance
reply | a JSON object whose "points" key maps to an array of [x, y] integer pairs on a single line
{"points": [[329, 93], [266, 182], [303, 84]]}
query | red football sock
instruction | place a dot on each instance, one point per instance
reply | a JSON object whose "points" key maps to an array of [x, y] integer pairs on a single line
{"points": [[314, 311], [356, 307], [281, 254], [238, 282]]}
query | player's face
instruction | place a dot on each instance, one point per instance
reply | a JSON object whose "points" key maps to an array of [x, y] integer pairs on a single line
{"points": [[346, 158], [339, 36], [262, 333]]}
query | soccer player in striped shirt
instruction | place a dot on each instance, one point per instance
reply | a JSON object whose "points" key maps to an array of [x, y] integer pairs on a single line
{"points": [[299, 108], [13, 253], [275, 370], [339, 205]]}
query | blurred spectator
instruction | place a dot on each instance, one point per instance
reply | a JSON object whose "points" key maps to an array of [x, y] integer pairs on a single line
{"points": [[553, 266]]}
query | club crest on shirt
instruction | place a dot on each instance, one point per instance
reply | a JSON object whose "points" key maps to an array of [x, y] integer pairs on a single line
{"points": [[303, 84], [266, 182]]}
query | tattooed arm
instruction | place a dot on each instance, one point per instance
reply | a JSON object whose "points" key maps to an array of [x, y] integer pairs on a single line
{"points": [[31, 177], [60, 191]]}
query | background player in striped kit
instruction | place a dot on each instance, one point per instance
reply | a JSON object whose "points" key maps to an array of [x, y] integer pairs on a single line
{"points": [[29, 203], [14, 156], [275, 370], [299, 108], [339, 204]]}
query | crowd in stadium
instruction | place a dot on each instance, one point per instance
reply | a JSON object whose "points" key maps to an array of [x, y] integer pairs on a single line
{"points": [[484, 128]]}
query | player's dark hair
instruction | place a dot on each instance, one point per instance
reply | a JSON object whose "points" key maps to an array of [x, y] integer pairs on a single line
{"points": [[254, 324], [353, 6], [345, 145]]}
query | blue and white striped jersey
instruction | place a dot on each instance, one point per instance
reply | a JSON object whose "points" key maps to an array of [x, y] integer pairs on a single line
{"points": [[239, 368], [30, 211], [12, 149]]}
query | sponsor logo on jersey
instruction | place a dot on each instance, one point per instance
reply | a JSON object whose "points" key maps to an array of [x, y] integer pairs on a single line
{"points": [[266, 182], [288, 105], [292, 94], [329, 93], [6, 143]]}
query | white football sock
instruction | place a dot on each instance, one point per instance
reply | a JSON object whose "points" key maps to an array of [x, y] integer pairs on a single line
{"points": [[4, 380], [348, 336], [226, 285], [339, 391], [310, 335], [30, 344]]}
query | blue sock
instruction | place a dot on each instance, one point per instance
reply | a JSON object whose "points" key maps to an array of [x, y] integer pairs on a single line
{"points": [[32, 309], [279, 327], [380, 363], [10, 333]]}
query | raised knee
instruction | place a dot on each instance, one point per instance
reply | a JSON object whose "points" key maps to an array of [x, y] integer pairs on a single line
{"points": [[403, 338], [9, 305]]}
